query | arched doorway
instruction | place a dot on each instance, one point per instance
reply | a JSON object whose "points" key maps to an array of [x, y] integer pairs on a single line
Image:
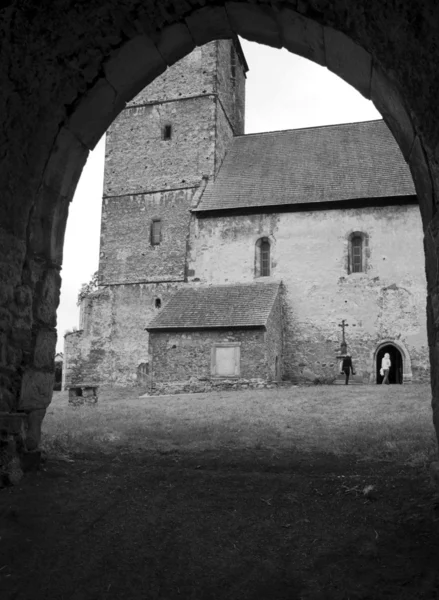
{"points": [[397, 368]]}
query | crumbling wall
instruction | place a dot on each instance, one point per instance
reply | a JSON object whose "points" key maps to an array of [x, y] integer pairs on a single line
{"points": [[115, 348]]}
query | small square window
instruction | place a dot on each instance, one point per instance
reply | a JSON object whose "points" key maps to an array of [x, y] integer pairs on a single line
{"points": [[167, 133], [156, 232]]}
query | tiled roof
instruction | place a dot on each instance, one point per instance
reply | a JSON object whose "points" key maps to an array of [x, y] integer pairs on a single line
{"points": [[204, 307], [319, 164]]}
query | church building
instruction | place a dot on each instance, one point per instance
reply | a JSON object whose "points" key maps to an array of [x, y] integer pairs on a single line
{"points": [[231, 260]]}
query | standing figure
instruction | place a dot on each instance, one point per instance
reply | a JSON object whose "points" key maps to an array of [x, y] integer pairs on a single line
{"points": [[385, 368], [347, 367]]}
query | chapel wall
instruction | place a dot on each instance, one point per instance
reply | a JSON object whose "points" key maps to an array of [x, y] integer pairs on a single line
{"points": [[180, 357], [273, 339], [309, 255]]}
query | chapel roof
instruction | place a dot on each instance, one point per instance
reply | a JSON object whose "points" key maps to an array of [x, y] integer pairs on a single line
{"points": [[317, 164], [217, 306]]}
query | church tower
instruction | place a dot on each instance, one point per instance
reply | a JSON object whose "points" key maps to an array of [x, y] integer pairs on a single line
{"points": [[160, 151], [168, 139]]}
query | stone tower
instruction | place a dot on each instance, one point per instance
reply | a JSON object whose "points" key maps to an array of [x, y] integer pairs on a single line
{"points": [[160, 152]]}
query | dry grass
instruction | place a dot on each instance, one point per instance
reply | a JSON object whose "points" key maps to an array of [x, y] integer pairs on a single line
{"points": [[372, 422]]}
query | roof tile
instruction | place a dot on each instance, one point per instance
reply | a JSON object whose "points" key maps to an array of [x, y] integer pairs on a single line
{"points": [[203, 307], [335, 162]]}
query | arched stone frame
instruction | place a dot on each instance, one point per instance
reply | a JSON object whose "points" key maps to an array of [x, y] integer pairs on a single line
{"points": [[139, 48], [257, 253], [407, 375], [365, 252]]}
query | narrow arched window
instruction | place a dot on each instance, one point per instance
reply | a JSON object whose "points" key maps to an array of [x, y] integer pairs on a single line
{"points": [[262, 258], [357, 254]]}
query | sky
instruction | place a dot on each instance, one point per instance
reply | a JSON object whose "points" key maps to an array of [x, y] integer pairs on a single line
{"points": [[283, 91]]}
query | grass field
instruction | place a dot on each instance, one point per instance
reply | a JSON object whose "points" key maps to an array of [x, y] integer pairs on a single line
{"points": [[374, 422]]}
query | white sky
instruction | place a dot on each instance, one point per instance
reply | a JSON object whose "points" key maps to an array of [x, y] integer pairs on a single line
{"points": [[283, 91]]}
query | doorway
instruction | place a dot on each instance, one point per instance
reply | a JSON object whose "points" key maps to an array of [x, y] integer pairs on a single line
{"points": [[396, 369]]}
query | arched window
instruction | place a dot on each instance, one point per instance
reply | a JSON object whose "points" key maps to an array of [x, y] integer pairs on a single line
{"points": [[358, 252], [262, 258]]}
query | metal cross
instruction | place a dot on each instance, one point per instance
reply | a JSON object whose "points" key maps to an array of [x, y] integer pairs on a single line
{"points": [[343, 326]]}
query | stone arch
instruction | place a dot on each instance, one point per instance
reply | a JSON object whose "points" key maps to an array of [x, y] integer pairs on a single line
{"points": [[406, 360], [78, 99]]}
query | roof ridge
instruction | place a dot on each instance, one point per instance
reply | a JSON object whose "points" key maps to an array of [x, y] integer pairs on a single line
{"points": [[311, 127]]}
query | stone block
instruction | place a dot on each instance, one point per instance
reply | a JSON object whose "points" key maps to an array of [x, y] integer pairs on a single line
{"points": [[255, 23], [13, 423], [33, 436], [302, 36], [135, 65], [95, 112], [389, 102], [422, 180], [36, 390], [65, 165], [44, 352], [209, 23], [348, 60], [175, 42], [48, 297]]}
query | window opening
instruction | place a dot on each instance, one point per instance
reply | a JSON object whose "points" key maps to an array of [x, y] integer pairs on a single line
{"points": [[265, 258], [156, 232], [233, 63], [167, 132], [158, 303], [357, 254]]}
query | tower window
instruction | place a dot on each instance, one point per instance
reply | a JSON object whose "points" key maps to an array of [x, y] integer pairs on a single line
{"points": [[158, 303], [156, 232], [263, 258], [167, 132]]}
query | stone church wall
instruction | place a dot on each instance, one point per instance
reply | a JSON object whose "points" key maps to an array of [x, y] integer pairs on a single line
{"points": [[273, 340], [126, 252], [113, 347], [138, 160], [309, 252], [185, 358]]}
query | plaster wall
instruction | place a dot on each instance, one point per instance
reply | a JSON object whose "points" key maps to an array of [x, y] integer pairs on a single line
{"points": [[309, 254]]}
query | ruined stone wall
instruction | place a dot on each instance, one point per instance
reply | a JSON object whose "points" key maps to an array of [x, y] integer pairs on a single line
{"points": [[180, 357], [309, 252], [127, 254], [115, 346]]}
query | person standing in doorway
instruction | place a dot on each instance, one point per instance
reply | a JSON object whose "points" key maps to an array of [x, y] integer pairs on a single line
{"points": [[347, 367], [385, 368]]}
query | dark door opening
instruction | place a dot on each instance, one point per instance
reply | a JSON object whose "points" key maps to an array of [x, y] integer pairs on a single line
{"points": [[396, 369]]}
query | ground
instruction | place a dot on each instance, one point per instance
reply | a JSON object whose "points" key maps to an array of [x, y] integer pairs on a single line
{"points": [[301, 493]]}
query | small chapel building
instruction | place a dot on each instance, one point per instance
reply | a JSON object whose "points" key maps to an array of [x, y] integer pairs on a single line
{"points": [[231, 259]]}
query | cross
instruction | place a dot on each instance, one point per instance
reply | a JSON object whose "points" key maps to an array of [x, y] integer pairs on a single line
{"points": [[343, 326]]}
